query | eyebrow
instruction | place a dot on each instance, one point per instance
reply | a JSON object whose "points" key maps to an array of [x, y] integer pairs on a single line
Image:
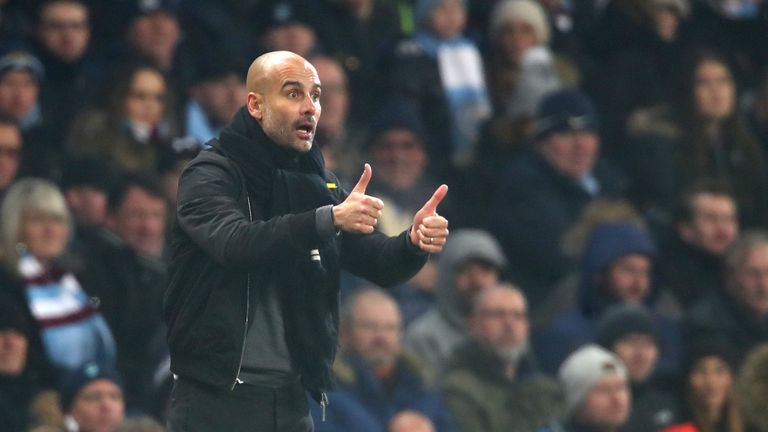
{"points": [[299, 85]]}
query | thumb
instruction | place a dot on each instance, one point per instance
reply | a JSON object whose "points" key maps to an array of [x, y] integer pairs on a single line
{"points": [[431, 205], [362, 184]]}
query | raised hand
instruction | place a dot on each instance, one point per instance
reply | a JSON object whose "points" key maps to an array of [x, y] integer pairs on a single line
{"points": [[359, 213], [430, 230]]}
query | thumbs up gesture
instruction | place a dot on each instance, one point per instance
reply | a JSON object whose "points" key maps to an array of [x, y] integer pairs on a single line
{"points": [[359, 213], [430, 230]]}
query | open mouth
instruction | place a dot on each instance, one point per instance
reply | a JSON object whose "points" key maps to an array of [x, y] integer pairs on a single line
{"points": [[305, 130]]}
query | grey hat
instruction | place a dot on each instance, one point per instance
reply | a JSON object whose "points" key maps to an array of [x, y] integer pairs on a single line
{"points": [[583, 369], [22, 61]]}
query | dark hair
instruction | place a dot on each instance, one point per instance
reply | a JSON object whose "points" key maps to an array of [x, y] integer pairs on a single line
{"points": [[685, 211], [147, 182], [119, 88], [7, 120]]}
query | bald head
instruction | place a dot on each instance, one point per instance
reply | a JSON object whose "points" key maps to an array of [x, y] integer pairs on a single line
{"points": [[265, 65]]}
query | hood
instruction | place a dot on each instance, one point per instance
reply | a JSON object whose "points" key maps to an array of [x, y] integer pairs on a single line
{"points": [[463, 246], [608, 242]]}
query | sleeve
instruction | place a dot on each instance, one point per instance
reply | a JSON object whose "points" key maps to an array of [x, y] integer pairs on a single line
{"points": [[383, 260]]}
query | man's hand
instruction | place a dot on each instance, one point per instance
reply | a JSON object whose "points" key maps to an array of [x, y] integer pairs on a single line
{"points": [[359, 213], [430, 230]]}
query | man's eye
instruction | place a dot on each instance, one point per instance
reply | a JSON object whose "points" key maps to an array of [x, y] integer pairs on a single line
{"points": [[316, 97], [293, 94]]}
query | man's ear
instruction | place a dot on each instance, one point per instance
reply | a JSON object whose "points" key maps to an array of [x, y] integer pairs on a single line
{"points": [[255, 104]]}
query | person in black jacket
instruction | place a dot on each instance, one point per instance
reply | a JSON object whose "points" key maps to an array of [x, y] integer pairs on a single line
{"points": [[262, 231]]}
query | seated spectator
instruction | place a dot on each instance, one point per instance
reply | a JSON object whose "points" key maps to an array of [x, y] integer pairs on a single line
{"points": [[491, 381], [708, 394], [543, 192], [377, 378], [616, 268], [596, 391], [153, 34], [700, 135], [753, 389], [737, 313], [10, 152], [471, 261], [706, 225], [86, 184], [135, 128], [92, 399], [284, 25], [630, 332], [442, 72], [35, 232]]}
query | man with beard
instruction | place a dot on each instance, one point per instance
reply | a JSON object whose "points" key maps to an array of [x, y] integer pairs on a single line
{"points": [[492, 382], [262, 231]]}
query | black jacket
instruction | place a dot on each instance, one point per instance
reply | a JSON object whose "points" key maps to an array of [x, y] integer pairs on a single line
{"points": [[230, 241]]}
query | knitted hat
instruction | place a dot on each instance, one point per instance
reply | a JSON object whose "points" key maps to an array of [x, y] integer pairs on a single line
{"points": [[396, 113], [22, 61], [71, 383], [423, 9], [623, 320], [527, 11], [583, 369], [565, 110], [89, 171]]}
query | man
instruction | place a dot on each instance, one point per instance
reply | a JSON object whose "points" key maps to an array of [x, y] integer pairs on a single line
{"points": [[10, 152], [707, 224], [137, 213], [596, 391], [492, 382], [86, 183], [472, 262], [262, 231], [736, 314], [378, 380], [544, 191], [92, 399]]}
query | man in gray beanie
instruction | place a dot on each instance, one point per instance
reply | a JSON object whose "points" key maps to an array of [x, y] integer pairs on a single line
{"points": [[596, 389]]}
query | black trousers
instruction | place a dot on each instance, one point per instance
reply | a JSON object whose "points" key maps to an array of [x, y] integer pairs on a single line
{"points": [[196, 407]]}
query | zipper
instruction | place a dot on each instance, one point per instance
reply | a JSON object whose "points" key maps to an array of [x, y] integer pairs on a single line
{"points": [[247, 309], [323, 403]]}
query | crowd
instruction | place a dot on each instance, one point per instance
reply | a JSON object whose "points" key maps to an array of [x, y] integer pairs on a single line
{"points": [[607, 268]]}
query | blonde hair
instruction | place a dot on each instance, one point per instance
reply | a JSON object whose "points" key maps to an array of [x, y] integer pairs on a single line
{"points": [[29, 194]]}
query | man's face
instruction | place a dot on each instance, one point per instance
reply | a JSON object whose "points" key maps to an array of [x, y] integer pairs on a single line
{"points": [[749, 281], [501, 320], [448, 19], [374, 331], [295, 37], [99, 407], [639, 353], [140, 221], [18, 93], [607, 404], [290, 106], [155, 35], [13, 352], [572, 153], [628, 278], [335, 97], [472, 277], [220, 98], [64, 30], [10, 154], [88, 205], [714, 91], [399, 158], [713, 226]]}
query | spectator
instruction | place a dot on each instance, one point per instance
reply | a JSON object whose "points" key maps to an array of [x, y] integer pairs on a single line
{"points": [[616, 268], [630, 332], [135, 129], [706, 225], [753, 389], [86, 184], [153, 35], [736, 313], [92, 399], [757, 110], [543, 192], [442, 73], [10, 152], [492, 382], [700, 135], [596, 391], [471, 262], [284, 26], [709, 402], [35, 231], [377, 378]]}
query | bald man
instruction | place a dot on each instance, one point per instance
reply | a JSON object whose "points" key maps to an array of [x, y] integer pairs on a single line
{"points": [[262, 231]]}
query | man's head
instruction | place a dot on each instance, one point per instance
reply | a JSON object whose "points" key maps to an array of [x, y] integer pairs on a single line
{"points": [[284, 97], [137, 213], [15, 328], [566, 133], [154, 34], [284, 28], [443, 18], [93, 397], [499, 319], [10, 150], [20, 77], [371, 327], [86, 183], [747, 271], [708, 218], [596, 390], [629, 331], [219, 89], [63, 29], [335, 96]]}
